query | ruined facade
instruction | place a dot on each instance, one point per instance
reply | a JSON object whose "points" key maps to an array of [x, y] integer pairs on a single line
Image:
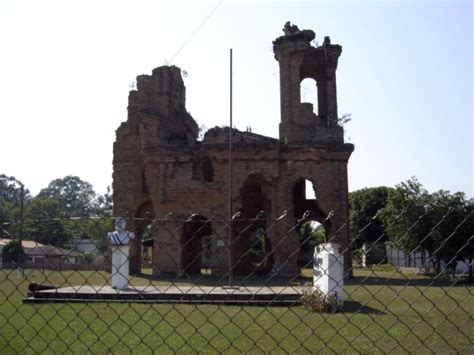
{"points": [[160, 167]]}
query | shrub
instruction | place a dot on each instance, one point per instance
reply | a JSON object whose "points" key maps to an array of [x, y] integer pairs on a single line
{"points": [[316, 301]]}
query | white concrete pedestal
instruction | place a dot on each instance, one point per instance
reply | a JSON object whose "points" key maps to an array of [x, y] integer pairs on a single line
{"points": [[329, 271], [120, 266]]}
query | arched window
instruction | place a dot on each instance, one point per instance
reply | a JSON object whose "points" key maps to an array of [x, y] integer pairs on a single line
{"points": [[309, 93]]}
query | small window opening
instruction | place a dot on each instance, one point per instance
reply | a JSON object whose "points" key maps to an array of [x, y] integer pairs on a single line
{"points": [[309, 190], [309, 93]]}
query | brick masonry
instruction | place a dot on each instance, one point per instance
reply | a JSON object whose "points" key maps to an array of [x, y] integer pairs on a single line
{"points": [[160, 167]]}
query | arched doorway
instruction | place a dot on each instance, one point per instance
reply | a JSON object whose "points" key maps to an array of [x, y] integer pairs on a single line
{"points": [[252, 247], [144, 230], [196, 238], [260, 251], [311, 233], [313, 225]]}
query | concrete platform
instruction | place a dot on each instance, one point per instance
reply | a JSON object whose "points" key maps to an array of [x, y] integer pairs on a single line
{"points": [[246, 295]]}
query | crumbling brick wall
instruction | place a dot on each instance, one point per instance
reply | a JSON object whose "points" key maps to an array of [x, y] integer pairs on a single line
{"points": [[160, 167]]}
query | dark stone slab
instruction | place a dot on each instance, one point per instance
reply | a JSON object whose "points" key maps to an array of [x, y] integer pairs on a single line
{"points": [[251, 295]]}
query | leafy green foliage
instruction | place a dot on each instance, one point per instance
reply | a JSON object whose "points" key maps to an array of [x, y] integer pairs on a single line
{"points": [[453, 234], [102, 206], [406, 216], [5, 213], [43, 222], [13, 252], [257, 243], [311, 234], [10, 190], [439, 223], [75, 196], [10, 196], [364, 221], [47, 216], [414, 220]]}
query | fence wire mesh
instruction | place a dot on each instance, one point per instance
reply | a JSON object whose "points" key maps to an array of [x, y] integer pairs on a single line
{"points": [[398, 293]]}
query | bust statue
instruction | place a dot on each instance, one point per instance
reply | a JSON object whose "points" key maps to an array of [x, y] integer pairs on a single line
{"points": [[120, 236]]}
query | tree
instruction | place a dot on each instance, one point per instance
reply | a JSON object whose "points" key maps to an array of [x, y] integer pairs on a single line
{"points": [[406, 216], [13, 252], [5, 214], [10, 201], [76, 197], [365, 224], [452, 233], [103, 204], [467, 229], [10, 190], [43, 222], [438, 223], [311, 234], [10, 197]]}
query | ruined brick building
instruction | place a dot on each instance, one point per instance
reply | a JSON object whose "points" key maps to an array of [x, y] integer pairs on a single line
{"points": [[160, 167]]}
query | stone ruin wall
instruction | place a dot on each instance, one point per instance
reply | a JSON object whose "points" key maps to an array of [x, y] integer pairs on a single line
{"points": [[160, 167]]}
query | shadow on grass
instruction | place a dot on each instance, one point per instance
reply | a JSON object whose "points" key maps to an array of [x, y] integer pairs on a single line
{"points": [[362, 277], [377, 280], [356, 307]]}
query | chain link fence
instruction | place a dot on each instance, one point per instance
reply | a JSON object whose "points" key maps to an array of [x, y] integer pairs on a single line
{"points": [[191, 290]]}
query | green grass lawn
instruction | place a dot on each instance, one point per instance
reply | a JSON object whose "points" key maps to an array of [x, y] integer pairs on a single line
{"points": [[385, 311]]}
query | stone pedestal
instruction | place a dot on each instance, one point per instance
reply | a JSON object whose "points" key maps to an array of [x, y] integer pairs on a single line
{"points": [[120, 266], [329, 271]]}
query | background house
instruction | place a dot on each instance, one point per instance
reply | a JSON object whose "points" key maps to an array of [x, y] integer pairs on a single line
{"points": [[39, 255]]}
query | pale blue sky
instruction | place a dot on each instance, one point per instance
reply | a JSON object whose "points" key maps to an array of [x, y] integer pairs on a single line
{"points": [[405, 75]]}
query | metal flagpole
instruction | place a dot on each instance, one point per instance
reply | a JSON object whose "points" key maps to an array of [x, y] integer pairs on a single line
{"points": [[231, 261]]}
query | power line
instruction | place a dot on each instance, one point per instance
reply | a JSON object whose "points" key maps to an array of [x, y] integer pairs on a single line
{"points": [[196, 30]]}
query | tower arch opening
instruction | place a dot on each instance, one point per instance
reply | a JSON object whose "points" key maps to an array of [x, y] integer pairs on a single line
{"points": [[309, 94]]}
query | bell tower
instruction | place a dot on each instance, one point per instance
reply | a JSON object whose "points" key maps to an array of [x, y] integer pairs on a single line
{"points": [[299, 60]]}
